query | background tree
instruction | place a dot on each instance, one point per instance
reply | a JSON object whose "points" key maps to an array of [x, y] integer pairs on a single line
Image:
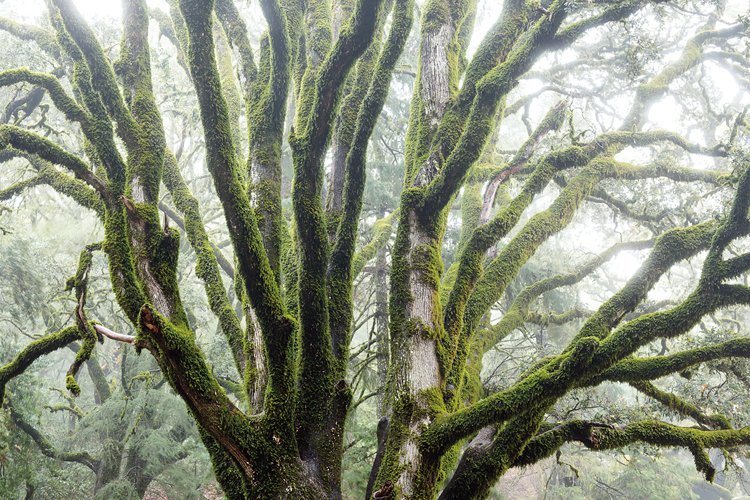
{"points": [[486, 194]]}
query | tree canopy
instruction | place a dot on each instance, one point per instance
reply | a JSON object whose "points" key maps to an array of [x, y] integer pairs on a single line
{"points": [[466, 232]]}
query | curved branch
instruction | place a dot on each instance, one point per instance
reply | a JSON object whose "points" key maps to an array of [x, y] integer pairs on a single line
{"points": [[44, 148], [637, 369], [33, 351], [604, 437], [681, 406], [66, 104]]}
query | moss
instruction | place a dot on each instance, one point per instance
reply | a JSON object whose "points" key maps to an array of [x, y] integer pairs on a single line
{"points": [[35, 350], [32, 143], [634, 369], [260, 282], [67, 105], [681, 406]]}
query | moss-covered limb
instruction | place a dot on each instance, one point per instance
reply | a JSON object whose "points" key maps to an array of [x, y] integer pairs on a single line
{"points": [[234, 27], [441, 57], [230, 86], [500, 80], [36, 349], [681, 406], [260, 283], [633, 369], [340, 272], [546, 319], [343, 265], [66, 104], [207, 264], [43, 38], [609, 14], [47, 448], [519, 312], [96, 374], [355, 90], [484, 461], [146, 146], [471, 265], [180, 29], [552, 121], [671, 247], [166, 29], [494, 49], [102, 74], [316, 37], [266, 129], [536, 389], [735, 224], [101, 135], [32, 143], [464, 318], [663, 434], [549, 440], [317, 366], [20, 186], [645, 138], [243, 444], [77, 190], [490, 90], [601, 196], [678, 174], [382, 230], [228, 474], [89, 336], [471, 212], [667, 324], [471, 261]]}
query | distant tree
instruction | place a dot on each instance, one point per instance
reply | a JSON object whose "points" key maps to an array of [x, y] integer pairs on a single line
{"points": [[282, 435]]}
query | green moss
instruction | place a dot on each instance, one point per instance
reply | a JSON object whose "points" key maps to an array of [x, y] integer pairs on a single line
{"points": [[33, 351]]}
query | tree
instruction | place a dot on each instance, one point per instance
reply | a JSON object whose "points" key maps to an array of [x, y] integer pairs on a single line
{"points": [[282, 432]]}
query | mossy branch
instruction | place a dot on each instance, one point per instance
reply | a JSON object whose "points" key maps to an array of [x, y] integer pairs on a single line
{"points": [[317, 363], [32, 143], [344, 265], [47, 174], [236, 31], [43, 38], [79, 283], [102, 74], [253, 266], [33, 351], [382, 230], [20, 186], [267, 113], [681, 406], [66, 104], [207, 263], [604, 437], [635, 369], [552, 121], [145, 131], [519, 312], [612, 13], [490, 90]]}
